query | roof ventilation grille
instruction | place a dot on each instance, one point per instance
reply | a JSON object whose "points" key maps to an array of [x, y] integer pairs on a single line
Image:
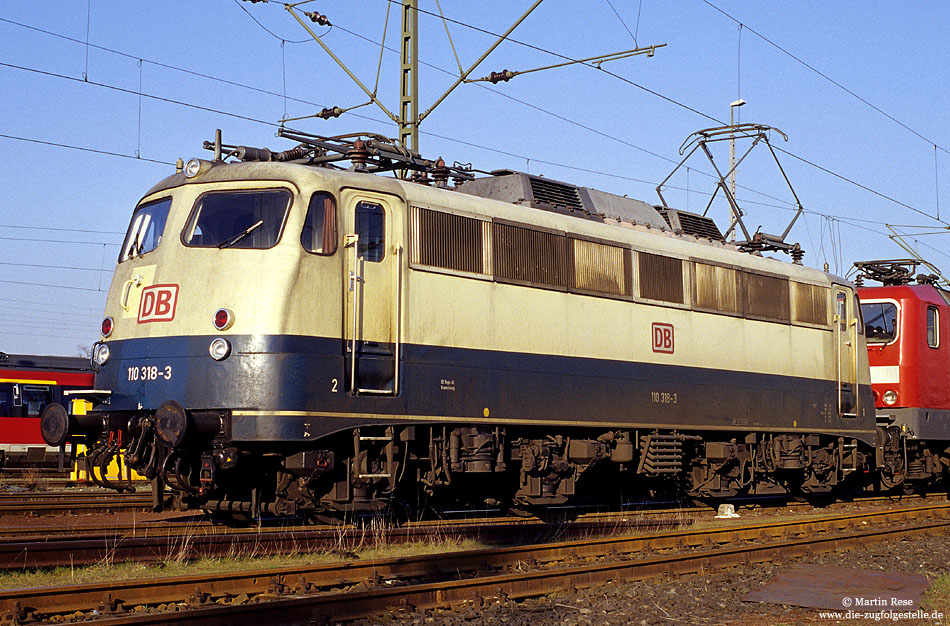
{"points": [[691, 224], [556, 194]]}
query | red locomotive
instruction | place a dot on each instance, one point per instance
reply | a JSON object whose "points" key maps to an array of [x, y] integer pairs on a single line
{"points": [[908, 337], [27, 384]]}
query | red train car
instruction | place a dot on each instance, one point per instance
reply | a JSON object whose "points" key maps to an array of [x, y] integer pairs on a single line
{"points": [[27, 384], [908, 338]]}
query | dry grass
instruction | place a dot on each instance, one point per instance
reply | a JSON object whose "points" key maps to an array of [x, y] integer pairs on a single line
{"points": [[371, 544], [33, 479], [938, 596]]}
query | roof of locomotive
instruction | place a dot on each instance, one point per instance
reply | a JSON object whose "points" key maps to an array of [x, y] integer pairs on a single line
{"points": [[44, 363], [636, 234], [924, 292]]}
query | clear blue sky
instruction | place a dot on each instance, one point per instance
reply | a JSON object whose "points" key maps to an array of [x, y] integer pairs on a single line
{"points": [[205, 65]]}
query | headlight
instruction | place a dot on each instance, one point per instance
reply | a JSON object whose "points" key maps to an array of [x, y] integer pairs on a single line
{"points": [[890, 397], [195, 166], [219, 349], [101, 354]]}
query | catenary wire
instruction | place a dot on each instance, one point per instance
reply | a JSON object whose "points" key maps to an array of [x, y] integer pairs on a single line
{"points": [[66, 230], [461, 24], [368, 118], [52, 335], [825, 76], [712, 118], [79, 243], [52, 304], [267, 30], [447, 138], [60, 267], [19, 282], [624, 24], [64, 145]]}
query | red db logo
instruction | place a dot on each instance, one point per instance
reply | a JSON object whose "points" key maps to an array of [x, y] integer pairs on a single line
{"points": [[663, 338], [158, 303]]}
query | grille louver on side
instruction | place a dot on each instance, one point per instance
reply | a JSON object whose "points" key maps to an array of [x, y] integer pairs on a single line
{"points": [[600, 268], [717, 287], [529, 256], [661, 277], [766, 297], [556, 194], [449, 241], [809, 303]]}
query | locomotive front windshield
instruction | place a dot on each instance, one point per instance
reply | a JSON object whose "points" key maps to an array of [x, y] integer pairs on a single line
{"points": [[146, 229], [237, 219], [880, 321]]}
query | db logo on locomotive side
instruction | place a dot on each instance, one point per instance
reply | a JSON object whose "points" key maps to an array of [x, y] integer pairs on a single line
{"points": [[158, 303], [663, 338]]}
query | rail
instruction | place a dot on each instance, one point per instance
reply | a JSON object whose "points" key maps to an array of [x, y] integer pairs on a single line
{"points": [[313, 592]]}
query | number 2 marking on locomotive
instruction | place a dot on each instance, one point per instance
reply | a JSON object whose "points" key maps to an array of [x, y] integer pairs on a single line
{"points": [[333, 385]]}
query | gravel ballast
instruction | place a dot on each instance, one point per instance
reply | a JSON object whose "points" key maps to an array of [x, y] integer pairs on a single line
{"points": [[712, 598]]}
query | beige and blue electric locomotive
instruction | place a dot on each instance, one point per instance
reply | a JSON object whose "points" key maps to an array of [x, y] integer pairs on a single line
{"points": [[285, 336]]}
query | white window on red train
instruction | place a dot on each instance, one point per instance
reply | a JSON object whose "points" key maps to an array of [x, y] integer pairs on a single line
{"points": [[146, 229], [35, 397], [880, 321], [6, 400], [237, 219], [933, 329]]}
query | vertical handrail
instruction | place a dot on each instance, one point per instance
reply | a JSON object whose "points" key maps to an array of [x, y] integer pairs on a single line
{"points": [[838, 348], [398, 318], [856, 387], [355, 278]]}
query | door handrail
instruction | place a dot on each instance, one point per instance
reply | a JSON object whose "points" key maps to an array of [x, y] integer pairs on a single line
{"points": [[353, 240], [398, 342], [398, 330]]}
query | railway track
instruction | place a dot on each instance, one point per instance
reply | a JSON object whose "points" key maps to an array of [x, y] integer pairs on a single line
{"points": [[31, 545], [69, 502], [49, 503], [309, 594], [56, 546]]}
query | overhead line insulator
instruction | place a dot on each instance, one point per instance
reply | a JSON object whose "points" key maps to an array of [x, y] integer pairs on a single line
{"points": [[318, 18]]}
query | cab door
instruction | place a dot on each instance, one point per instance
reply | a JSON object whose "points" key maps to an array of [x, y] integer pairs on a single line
{"points": [[846, 366], [372, 292]]}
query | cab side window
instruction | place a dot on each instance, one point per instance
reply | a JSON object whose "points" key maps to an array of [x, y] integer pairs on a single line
{"points": [[841, 310], [880, 321], [371, 228], [319, 230], [146, 229], [933, 330]]}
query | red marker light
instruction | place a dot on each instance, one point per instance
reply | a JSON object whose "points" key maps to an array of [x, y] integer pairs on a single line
{"points": [[223, 319], [107, 327]]}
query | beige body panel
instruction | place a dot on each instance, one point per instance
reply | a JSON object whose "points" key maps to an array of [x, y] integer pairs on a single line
{"points": [[285, 290]]}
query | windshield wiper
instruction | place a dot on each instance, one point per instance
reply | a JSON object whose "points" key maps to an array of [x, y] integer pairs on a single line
{"points": [[238, 237], [136, 246]]}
